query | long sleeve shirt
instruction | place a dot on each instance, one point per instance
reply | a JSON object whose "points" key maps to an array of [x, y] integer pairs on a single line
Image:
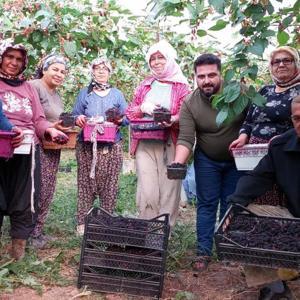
{"points": [[198, 119], [281, 166], [92, 105], [274, 117], [22, 107]]}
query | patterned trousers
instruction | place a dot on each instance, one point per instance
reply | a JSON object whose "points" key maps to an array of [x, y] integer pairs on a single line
{"points": [[49, 167], [105, 183]]}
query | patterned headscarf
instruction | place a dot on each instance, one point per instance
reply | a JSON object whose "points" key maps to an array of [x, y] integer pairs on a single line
{"points": [[172, 71], [49, 60], [294, 53], [6, 45], [94, 85]]}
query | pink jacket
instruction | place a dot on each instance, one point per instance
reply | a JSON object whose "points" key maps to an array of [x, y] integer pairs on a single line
{"points": [[178, 93]]}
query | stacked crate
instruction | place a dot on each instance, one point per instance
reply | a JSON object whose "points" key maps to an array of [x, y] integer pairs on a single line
{"points": [[124, 255]]}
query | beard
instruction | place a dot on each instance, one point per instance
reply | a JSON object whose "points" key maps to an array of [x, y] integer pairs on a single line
{"points": [[210, 89]]}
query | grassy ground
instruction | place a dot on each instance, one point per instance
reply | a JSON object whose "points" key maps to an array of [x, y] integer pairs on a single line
{"points": [[36, 271]]}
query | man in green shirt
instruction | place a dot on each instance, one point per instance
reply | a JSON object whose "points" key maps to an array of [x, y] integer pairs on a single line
{"points": [[215, 172]]}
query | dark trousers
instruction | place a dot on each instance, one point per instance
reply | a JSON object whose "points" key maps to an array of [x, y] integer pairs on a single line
{"points": [[15, 193], [215, 181]]}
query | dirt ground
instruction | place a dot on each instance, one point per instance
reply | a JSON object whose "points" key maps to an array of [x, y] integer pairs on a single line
{"points": [[218, 282]]}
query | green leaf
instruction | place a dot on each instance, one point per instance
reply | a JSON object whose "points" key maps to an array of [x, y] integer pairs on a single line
{"points": [[222, 116], [42, 13], [251, 92], [218, 5], [219, 25], [286, 22], [258, 47], [3, 272], [217, 99], [70, 48], [267, 33], [282, 37], [232, 92], [251, 72], [201, 32], [172, 1], [259, 100], [229, 74], [240, 104], [270, 8]]}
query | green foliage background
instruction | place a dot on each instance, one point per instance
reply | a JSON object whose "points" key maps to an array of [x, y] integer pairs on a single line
{"points": [[81, 31]]}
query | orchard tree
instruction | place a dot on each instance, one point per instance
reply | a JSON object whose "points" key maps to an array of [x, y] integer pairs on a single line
{"points": [[81, 31], [260, 23]]}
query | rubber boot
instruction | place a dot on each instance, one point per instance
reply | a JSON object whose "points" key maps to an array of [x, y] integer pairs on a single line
{"points": [[18, 248]]}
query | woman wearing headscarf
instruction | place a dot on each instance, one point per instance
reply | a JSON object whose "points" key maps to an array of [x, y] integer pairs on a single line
{"points": [[263, 123], [165, 87], [50, 75], [19, 175], [101, 178]]}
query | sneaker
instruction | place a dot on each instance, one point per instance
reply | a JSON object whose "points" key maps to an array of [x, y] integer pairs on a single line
{"points": [[80, 230]]}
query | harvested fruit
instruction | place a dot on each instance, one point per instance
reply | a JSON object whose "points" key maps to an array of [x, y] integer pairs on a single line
{"points": [[161, 114], [264, 233], [113, 115], [68, 120], [176, 171]]}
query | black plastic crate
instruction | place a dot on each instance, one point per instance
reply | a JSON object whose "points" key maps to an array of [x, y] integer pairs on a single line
{"points": [[228, 249], [124, 255]]}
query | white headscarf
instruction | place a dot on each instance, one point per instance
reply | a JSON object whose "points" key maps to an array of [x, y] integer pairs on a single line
{"points": [[172, 71]]}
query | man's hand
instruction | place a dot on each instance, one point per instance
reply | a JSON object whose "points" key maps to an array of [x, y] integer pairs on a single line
{"points": [[80, 121], [239, 142], [17, 140]]}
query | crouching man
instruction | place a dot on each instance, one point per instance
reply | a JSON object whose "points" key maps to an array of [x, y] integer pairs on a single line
{"points": [[281, 166]]}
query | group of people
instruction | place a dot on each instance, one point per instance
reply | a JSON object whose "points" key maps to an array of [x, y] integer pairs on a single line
{"points": [[36, 105]]}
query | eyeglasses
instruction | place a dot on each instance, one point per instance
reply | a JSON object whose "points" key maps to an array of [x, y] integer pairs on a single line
{"points": [[295, 118], [284, 61], [101, 68]]}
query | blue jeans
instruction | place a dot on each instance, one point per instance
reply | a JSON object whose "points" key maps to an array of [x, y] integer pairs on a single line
{"points": [[215, 181]]}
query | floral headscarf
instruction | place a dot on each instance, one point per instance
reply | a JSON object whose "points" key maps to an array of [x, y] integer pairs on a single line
{"points": [[18, 79], [94, 85], [294, 53], [172, 71], [49, 60]]}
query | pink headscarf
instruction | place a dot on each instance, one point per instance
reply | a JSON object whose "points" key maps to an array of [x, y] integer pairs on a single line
{"points": [[172, 71]]}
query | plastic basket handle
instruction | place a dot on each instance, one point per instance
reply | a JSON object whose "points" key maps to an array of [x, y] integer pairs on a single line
{"points": [[167, 216], [233, 242], [244, 208]]}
